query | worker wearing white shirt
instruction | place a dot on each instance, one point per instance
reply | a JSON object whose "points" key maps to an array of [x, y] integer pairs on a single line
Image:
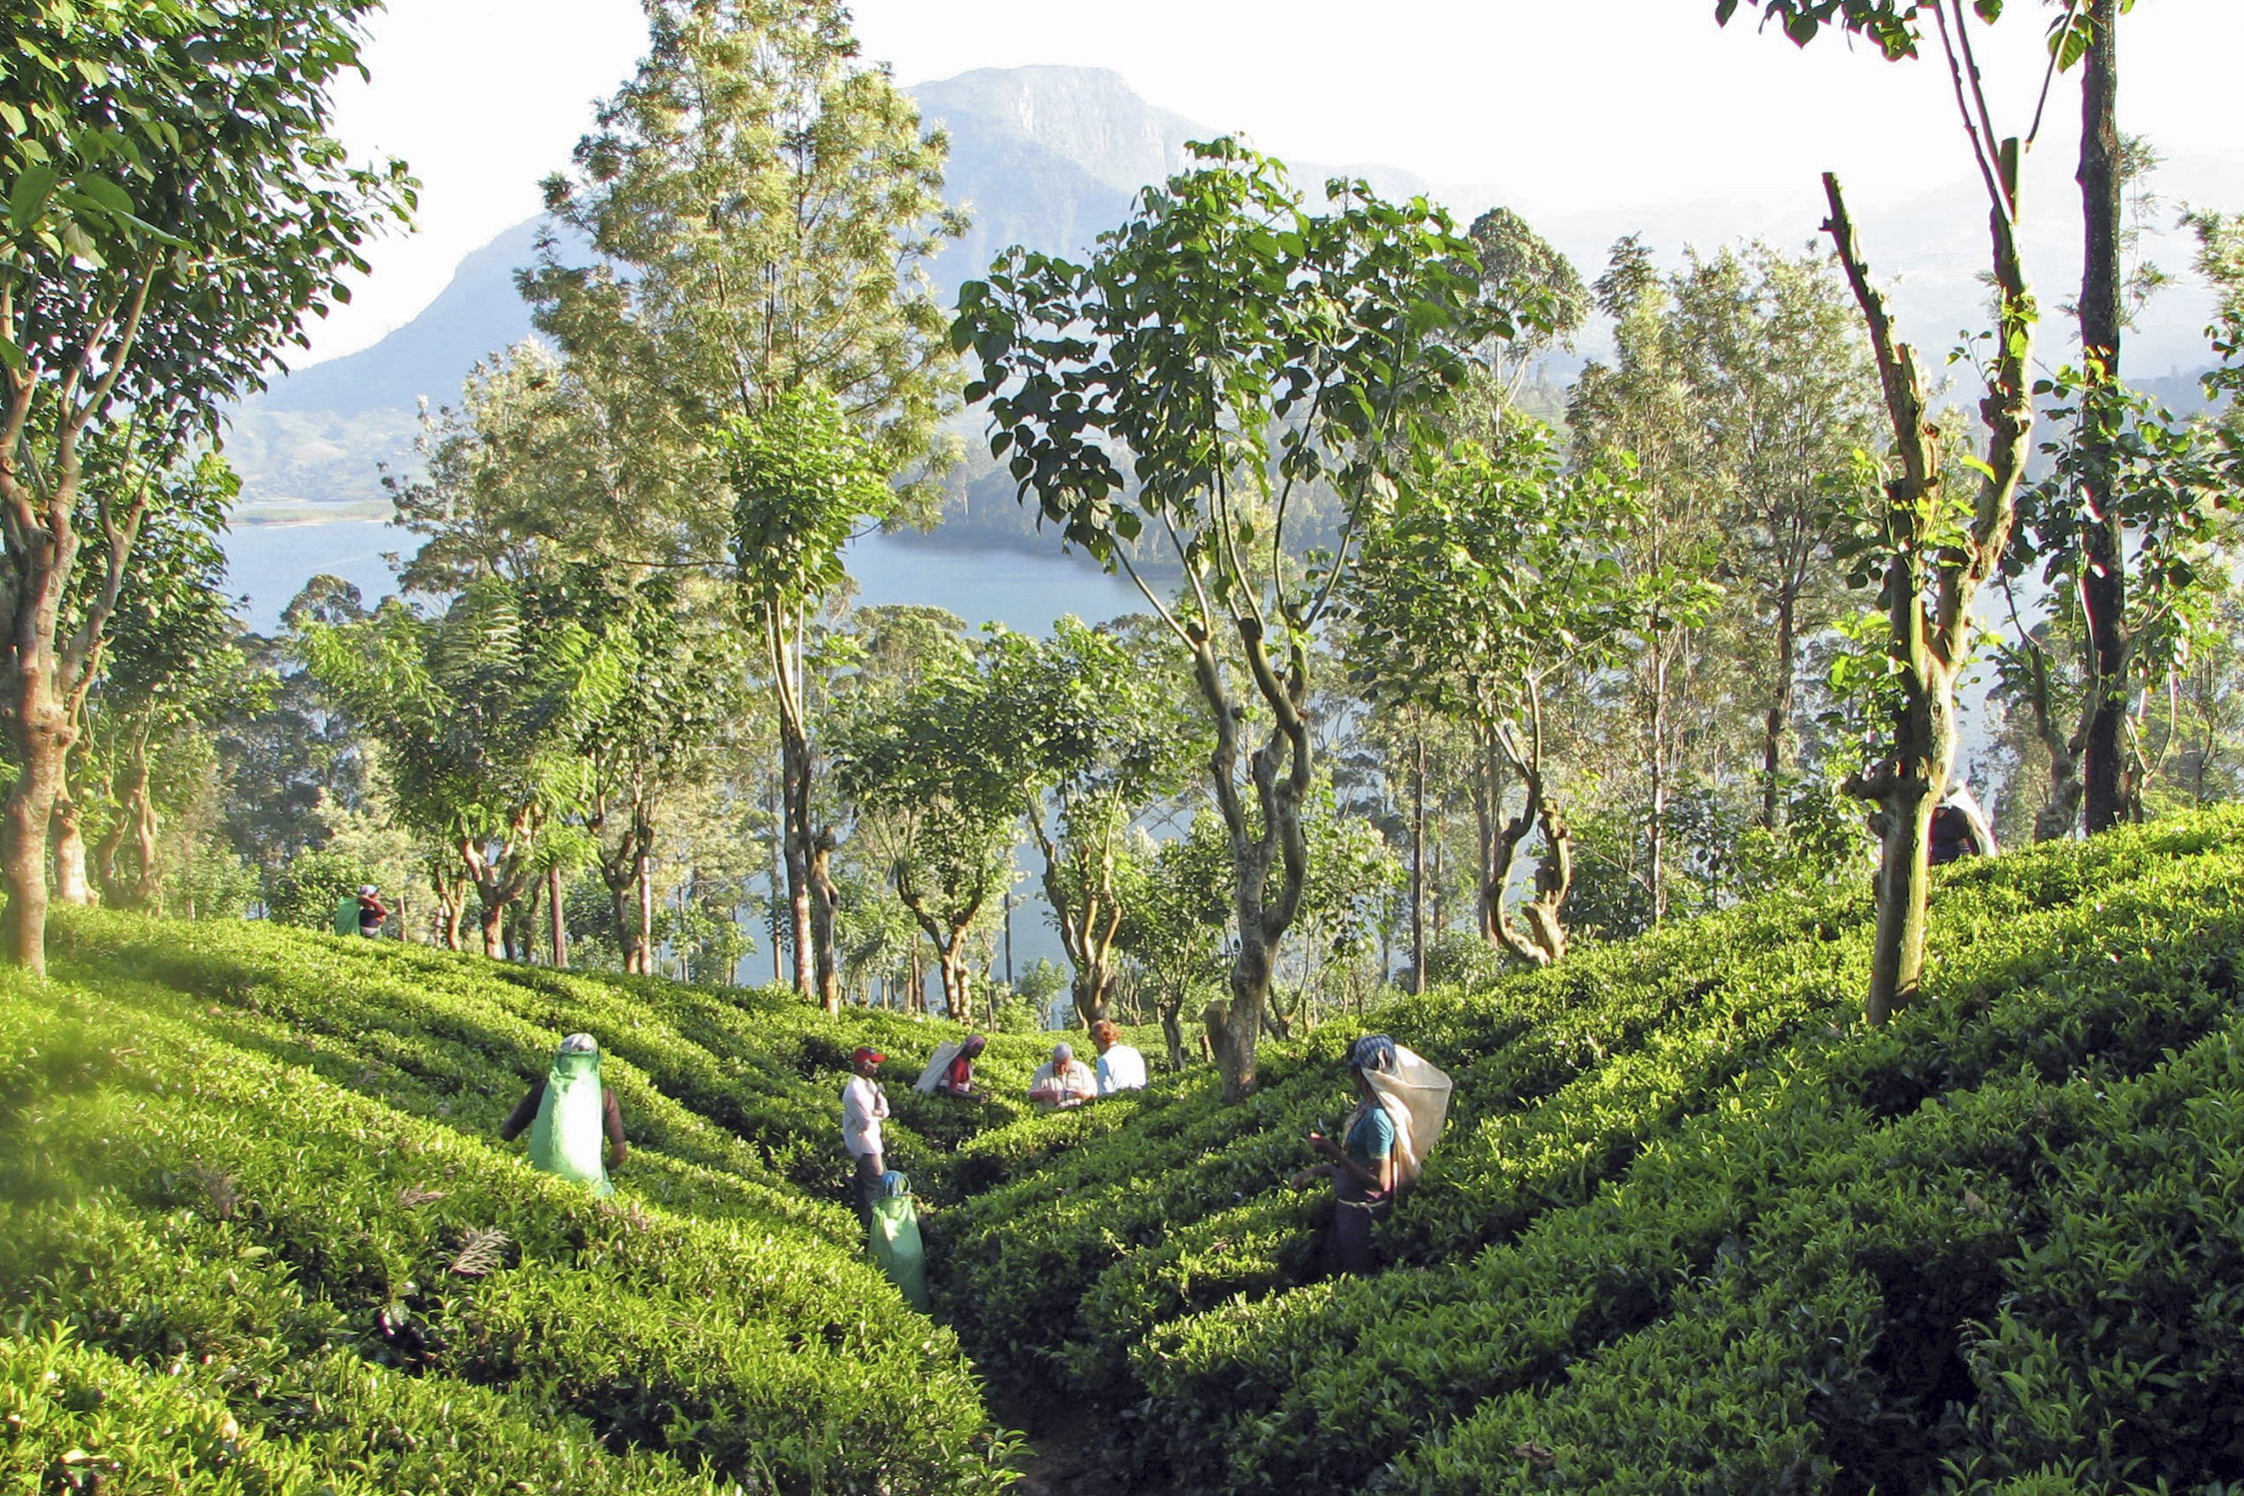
{"points": [[1121, 1067], [1063, 1083], [863, 1106]]}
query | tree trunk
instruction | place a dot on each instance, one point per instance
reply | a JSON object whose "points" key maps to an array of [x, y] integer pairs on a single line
{"points": [[71, 883], [39, 733], [1659, 768], [560, 925], [1928, 643], [2103, 573], [1780, 711], [1272, 843], [140, 805], [1418, 863], [794, 798], [1540, 937], [645, 921]]}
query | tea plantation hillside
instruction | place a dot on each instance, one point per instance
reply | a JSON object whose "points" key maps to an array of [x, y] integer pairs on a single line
{"points": [[1693, 1226], [257, 1233]]}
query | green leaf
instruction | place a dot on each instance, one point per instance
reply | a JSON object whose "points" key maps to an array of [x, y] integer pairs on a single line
{"points": [[29, 199]]}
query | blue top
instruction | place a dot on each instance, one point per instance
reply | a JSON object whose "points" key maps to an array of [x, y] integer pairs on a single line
{"points": [[1371, 1137]]}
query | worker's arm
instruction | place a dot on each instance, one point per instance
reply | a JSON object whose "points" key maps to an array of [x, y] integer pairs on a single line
{"points": [[612, 1115], [524, 1113]]}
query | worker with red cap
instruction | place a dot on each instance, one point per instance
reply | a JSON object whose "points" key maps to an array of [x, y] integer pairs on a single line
{"points": [[864, 1104]]}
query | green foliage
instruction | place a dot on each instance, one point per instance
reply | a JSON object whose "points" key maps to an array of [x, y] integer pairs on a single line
{"points": [[272, 1173], [305, 892], [178, 151], [1693, 1225], [803, 482], [214, 883]]}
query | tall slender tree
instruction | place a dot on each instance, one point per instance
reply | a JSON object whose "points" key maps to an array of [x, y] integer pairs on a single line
{"points": [[759, 206], [1233, 349], [175, 210], [1933, 556]]}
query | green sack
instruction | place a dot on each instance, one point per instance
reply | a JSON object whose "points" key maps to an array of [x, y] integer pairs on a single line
{"points": [[346, 915], [895, 1240], [568, 1137]]}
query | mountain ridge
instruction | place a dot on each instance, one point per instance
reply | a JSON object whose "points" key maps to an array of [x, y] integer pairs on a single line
{"points": [[1044, 156]]}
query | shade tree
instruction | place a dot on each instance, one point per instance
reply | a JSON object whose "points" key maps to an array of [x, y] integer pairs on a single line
{"points": [[176, 209], [1500, 576], [751, 217], [480, 711], [934, 766], [1225, 351], [1931, 552], [1099, 727]]}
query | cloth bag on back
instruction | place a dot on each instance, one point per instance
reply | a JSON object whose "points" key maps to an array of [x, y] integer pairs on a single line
{"points": [[894, 1240], [1415, 1095], [932, 1076], [568, 1138]]}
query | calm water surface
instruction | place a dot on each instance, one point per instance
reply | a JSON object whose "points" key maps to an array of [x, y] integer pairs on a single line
{"points": [[269, 565]]}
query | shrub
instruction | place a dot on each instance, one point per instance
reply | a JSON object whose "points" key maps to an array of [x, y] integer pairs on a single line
{"points": [[304, 893]]}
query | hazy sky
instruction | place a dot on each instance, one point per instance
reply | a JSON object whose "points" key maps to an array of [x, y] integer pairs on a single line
{"points": [[1560, 106]]}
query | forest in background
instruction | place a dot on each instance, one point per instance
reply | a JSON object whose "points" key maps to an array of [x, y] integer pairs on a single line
{"points": [[1446, 661]]}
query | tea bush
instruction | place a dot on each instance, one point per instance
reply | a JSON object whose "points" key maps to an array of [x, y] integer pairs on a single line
{"points": [[1694, 1226], [260, 1165]]}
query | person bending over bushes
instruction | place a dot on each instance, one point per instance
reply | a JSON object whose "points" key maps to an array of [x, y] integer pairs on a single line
{"points": [[1063, 1082], [568, 1113], [1401, 1105], [950, 1070]]}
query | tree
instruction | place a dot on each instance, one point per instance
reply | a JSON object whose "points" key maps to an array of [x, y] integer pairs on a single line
{"points": [[288, 757], [1176, 902], [1096, 728], [480, 713], [1933, 559], [759, 207], [803, 479], [1782, 393], [935, 763], [2120, 466], [1233, 350], [1639, 411], [168, 667], [175, 209], [1520, 271], [1498, 577]]}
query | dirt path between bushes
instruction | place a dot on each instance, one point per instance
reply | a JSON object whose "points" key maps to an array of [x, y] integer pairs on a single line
{"points": [[1069, 1452]]}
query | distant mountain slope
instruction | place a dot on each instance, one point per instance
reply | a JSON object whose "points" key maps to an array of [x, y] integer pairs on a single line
{"points": [[1049, 157]]}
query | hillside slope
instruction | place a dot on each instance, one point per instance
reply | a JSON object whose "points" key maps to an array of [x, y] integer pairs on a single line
{"points": [[1693, 1226], [256, 1227]]}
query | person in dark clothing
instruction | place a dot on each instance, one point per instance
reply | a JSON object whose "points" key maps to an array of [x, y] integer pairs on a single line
{"points": [[570, 1112], [1361, 1165], [371, 910], [1959, 829]]}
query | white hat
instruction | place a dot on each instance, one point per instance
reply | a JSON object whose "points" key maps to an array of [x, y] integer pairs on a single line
{"points": [[580, 1044]]}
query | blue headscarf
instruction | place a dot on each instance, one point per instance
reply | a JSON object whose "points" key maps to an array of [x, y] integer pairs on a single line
{"points": [[1373, 1052]]}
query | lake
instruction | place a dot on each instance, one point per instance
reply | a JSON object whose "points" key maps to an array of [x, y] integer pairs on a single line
{"points": [[269, 564]]}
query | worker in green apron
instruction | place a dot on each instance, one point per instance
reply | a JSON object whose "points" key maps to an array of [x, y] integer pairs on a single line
{"points": [[570, 1114]]}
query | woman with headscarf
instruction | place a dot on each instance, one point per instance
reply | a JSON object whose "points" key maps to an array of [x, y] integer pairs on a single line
{"points": [[568, 1114], [1401, 1104], [957, 1078]]}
